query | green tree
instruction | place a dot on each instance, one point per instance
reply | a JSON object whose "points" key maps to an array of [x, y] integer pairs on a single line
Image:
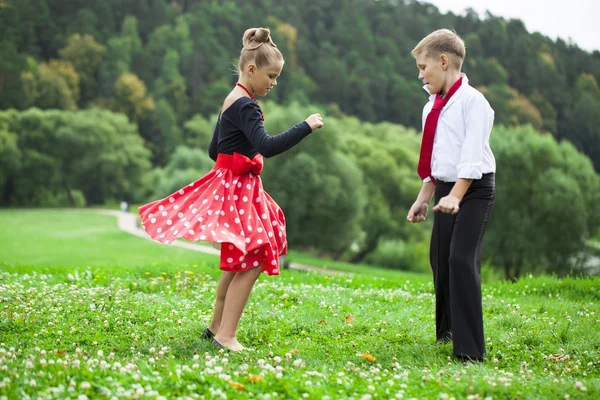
{"points": [[86, 55], [540, 226]]}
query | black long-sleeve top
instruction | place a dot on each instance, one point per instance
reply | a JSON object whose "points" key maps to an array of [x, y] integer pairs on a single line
{"points": [[240, 129]]}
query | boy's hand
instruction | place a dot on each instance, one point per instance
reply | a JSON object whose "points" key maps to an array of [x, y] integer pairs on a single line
{"points": [[315, 121], [448, 205], [418, 212]]}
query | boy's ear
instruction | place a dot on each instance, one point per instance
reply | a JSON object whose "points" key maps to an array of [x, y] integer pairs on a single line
{"points": [[445, 61]]}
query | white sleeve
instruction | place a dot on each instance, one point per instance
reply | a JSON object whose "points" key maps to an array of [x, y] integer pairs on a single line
{"points": [[479, 118]]}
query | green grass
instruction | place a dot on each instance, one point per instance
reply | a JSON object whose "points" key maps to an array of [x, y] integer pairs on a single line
{"points": [[129, 326], [58, 238]]}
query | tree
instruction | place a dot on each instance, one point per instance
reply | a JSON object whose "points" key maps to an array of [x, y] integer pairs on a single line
{"points": [[85, 54], [544, 224]]}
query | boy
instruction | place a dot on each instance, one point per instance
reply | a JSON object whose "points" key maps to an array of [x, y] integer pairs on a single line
{"points": [[457, 165]]}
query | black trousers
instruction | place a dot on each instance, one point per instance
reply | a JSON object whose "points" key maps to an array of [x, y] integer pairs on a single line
{"points": [[455, 256]]}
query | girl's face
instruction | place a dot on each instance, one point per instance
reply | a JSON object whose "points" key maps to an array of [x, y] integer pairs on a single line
{"points": [[265, 78]]}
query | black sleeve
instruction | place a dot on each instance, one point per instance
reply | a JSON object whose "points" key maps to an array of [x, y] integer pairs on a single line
{"points": [[212, 148], [269, 146]]}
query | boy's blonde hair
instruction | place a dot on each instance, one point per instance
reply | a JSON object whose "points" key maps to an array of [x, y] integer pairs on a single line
{"points": [[258, 48], [442, 41]]}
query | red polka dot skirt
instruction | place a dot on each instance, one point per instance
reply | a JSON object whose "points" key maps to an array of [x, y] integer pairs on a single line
{"points": [[227, 206]]}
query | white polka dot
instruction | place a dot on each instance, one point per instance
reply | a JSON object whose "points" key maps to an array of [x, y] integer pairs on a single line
{"points": [[273, 262], [280, 234], [270, 234], [166, 242], [176, 232], [259, 241], [223, 182], [222, 212], [258, 200], [176, 207], [194, 210], [209, 212], [161, 207], [151, 215], [202, 237], [180, 215], [224, 232], [239, 184], [259, 230], [247, 240], [169, 222], [226, 225], [243, 265], [164, 213], [256, 251], [162, 236], [213, 233], [191, 231], [227, 185], [249, 186], [230, 208], [237, 220], [230, 247], [230, 260], [249, 228], [181, 191], [217, 197], [274, 223], [186, 224], [264, 216], [241, 258], [244, 199], [159, 230], [202, 226], [255, 263], [195, 190], [153, 220], [235, 197], [220, 174], [242, 212], [204, 201], [171, 199]]}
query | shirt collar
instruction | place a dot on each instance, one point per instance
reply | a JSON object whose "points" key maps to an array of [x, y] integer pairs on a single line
{"points": [[465, 81]]}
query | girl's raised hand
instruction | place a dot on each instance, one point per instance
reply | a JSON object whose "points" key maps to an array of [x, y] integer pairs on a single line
{"points": [[315, 121]]}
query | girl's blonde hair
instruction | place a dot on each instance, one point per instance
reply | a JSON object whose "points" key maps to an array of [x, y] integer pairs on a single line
{"points": [[442, 41], [258, 49]]}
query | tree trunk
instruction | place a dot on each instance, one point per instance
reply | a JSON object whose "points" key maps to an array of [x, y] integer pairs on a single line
{"points": [[369, 247], [70, 196]]}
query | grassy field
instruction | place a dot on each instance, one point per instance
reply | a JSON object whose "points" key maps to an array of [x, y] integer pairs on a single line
{"points": [[87, 311]]}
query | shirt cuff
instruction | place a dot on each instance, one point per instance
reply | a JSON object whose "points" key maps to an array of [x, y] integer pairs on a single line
{"points": [[470, 171], [426, 180]]}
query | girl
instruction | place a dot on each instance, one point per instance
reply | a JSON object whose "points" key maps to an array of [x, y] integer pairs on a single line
{"points": [[228, 206]]}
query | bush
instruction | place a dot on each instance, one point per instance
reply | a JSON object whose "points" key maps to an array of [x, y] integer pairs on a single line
{"points": [[407, 256]]}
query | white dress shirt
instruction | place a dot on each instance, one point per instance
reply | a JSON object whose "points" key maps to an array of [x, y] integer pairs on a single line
{"points": [[461, 147]]}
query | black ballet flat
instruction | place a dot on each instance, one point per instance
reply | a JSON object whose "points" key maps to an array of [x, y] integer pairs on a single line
{"points": [[208, 334], [217, 344]]}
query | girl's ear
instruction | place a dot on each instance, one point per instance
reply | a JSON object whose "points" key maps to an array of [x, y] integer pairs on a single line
{"points": [[251, 69]]}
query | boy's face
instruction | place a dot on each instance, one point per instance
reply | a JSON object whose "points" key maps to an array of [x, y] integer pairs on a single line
{"points": [[432, 72]]}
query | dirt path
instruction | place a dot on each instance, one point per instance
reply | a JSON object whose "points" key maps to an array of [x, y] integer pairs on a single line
{"points": [[127, 222]]}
